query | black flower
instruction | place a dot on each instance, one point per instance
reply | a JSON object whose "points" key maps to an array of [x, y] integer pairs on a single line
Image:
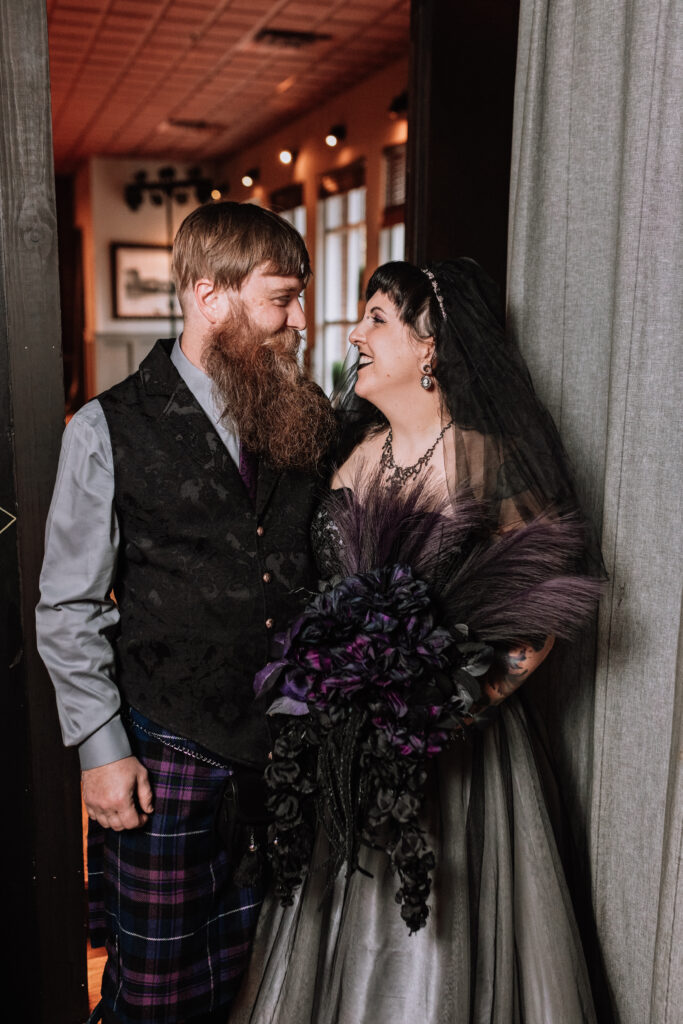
{"points": [[288, 809], [406, 806], [282, 773]]}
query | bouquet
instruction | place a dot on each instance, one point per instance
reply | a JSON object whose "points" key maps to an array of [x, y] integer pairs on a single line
{"points": [[380, 671]]}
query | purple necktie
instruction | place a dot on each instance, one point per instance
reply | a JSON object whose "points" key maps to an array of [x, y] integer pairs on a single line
{"points": [[248, 470]]}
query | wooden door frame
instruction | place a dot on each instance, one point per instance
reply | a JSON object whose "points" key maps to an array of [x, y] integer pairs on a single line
{"points": [[462, 75], [43, 872]]}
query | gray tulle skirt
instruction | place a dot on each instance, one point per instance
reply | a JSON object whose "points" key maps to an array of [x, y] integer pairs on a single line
{"points": [[501, 945]]}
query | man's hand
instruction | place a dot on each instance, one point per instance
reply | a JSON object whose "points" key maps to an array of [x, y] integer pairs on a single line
{"points": [[118, 795]]}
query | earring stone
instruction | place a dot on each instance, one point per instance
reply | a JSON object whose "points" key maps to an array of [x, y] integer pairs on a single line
{"points": [[426, 381]]}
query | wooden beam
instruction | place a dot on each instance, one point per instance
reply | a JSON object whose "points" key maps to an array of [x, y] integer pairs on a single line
{"points": [[463, 55], [44, 921]]}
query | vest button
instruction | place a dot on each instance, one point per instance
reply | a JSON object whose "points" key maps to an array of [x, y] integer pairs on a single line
{"points": [[269, 623], [259, 531], [267, 577]]}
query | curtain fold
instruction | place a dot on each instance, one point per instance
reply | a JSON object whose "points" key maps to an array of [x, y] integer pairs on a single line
{"points": [[594, 297]]}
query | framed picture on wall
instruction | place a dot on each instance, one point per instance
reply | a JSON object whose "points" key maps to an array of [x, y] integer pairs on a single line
{"points": [[141, 283]]}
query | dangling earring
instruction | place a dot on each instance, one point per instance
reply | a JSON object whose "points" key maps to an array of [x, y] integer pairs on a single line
{"points": [[426, 381]]}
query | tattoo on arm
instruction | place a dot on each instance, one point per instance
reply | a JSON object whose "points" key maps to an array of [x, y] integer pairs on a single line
{"points": [[513, 668]]}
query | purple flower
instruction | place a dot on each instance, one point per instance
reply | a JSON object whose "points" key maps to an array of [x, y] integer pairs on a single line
{"points": [[295, 686], [396, 703]]}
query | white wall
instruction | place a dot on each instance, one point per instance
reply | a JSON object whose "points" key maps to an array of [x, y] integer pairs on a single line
{"points": [[115, 347]]}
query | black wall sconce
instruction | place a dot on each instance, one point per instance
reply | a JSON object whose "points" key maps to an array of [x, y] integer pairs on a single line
{"points": [[167, 189]]}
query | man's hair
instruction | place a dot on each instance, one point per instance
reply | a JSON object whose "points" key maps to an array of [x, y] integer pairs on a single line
{"points": [[225, 241]]}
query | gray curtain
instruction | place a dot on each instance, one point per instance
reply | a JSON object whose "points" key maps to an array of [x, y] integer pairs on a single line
{"points": [[595, 292]]}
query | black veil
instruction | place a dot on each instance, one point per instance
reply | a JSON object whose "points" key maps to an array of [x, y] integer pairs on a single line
{"points": [[505, 447]]}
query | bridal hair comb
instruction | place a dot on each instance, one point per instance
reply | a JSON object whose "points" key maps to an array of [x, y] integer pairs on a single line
{"points": [[435, 286]]}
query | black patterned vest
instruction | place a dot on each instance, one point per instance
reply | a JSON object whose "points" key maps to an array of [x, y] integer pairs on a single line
{"points": [[205, 577]]}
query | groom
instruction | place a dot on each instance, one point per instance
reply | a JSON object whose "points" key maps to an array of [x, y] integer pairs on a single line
{"points": [[176, 543]]}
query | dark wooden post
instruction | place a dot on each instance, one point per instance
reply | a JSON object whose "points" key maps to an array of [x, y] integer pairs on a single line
{"points": [[42, 902], [463, 55]]}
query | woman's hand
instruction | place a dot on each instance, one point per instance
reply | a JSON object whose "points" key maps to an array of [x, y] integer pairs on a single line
{"points": [[513, 667]]}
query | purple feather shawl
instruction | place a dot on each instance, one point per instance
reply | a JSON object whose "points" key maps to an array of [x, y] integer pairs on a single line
{"points": [[506, 587]]}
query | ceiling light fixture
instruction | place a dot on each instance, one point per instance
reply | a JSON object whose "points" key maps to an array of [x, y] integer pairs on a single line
{"points": [[337, 133], [203, 127], [285, 84], [288, 156], [289, 39], [251, 177], [398, 108]]}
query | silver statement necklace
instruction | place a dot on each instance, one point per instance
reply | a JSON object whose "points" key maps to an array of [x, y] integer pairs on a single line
{"points": [[401, 474]]}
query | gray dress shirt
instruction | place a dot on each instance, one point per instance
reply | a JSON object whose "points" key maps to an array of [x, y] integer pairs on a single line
{"points": [[81, 548]]}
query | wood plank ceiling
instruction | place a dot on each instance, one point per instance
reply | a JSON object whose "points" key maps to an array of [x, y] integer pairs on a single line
{"points": [[197, 79]]}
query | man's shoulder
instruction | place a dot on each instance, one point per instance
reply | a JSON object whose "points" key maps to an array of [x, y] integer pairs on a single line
{"points": [[87, 421], [86, 434], [156, 368], [89, 415]]}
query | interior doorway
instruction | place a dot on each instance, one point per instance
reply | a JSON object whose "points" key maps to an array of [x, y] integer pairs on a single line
{"points": [[46, 906]]}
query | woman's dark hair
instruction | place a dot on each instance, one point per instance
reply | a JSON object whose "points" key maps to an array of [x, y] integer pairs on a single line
{"points": [[410, 291]]}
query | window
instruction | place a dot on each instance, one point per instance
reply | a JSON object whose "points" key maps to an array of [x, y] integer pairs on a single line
{"points": [[392, 232], [288, 202], [297, 218], [341, 219]]}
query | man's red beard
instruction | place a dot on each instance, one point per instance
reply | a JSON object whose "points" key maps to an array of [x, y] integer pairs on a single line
{"points": [[277, 411]]}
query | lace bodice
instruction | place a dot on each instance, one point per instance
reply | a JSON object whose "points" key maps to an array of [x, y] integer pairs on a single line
{"points": [[326, 541]]}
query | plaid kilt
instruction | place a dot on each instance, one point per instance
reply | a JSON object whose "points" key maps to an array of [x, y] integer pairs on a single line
{"points": [[178, 932]]}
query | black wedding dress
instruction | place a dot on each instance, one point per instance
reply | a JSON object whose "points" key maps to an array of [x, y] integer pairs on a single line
{"points": [[501, 945]]}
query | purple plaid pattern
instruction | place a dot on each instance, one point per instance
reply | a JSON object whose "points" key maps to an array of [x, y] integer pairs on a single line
{"points": [[178, 933]]}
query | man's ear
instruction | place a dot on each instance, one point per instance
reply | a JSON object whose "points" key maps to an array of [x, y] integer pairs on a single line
{"points": [[211, 302]]}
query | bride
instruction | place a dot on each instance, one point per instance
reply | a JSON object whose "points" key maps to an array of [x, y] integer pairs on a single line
{"points": [[438, 895]]}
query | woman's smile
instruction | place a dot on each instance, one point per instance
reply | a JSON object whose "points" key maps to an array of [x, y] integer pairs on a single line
{"points": [[387, 345]]}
